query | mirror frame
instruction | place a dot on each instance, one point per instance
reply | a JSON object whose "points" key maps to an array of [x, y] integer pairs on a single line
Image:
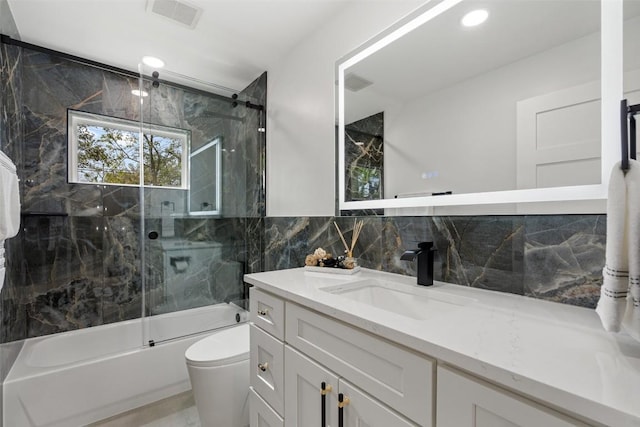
{"points": [[611, 93]]}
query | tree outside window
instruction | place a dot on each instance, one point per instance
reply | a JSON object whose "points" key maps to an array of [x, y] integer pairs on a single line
{"points": [[107, 150]]}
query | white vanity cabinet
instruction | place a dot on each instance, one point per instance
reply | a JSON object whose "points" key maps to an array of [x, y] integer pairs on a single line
{"points": [[465, 401], [393, 375], [303, 384], [478, 363], [367, 380]]}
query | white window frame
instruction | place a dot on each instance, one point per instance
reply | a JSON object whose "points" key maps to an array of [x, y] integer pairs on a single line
{"points": [[76, 118]]}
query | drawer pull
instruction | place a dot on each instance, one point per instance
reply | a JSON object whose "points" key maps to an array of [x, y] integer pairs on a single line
{"points": [[263, 366], [342, 402], [263, 312], [324, 390]]}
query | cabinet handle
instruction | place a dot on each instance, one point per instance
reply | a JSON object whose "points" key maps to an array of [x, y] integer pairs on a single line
{"points": [[263, 312], [263, 366], [324, 389], [342, 402]]}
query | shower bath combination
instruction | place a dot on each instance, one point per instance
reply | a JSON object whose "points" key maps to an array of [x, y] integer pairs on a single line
{"points": [[141, 297]]}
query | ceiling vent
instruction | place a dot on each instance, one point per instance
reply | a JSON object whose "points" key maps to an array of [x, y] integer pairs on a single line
{"points": [[354, 83], [178, 11]]}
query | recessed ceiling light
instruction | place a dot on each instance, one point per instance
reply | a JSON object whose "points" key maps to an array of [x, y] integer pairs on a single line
{"points": [[136, 92], [152, 61], [475, 17]]}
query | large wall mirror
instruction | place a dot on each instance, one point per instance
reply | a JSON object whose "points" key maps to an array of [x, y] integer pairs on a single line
{"points": [[508, 111]]}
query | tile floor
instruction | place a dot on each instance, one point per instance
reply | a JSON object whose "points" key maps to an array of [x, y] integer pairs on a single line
{"points": [[175, 411]]}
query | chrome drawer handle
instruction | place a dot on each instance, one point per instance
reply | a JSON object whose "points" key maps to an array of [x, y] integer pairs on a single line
{"points": [[263, 312], [263, 366]]}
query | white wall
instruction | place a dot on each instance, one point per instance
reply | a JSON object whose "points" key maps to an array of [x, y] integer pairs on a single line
{"points": [[301, 119], [468, 132]]}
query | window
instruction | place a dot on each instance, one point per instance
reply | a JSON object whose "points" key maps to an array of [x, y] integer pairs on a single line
{"points": [[107, 150]]}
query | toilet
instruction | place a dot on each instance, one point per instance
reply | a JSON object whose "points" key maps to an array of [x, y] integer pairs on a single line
{"points": [[218, 368]]}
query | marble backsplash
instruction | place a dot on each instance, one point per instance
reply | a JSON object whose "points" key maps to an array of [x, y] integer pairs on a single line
{"points": [[552, 257]]}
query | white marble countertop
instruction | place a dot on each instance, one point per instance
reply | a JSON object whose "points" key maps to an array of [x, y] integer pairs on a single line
{"points": [[554, 353]]}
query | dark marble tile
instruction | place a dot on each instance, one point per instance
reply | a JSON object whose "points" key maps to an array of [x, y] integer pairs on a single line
{"points": [[62, 273], [121, 290], [287, 242], [255, 244], [563, 257], [401, 234], [482, 252], [369, 246]]}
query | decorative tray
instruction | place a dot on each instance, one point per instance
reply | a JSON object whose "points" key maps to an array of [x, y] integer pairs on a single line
{"points": [[332, 270]]}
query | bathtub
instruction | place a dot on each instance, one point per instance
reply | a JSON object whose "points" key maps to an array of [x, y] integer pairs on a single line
{"points": [[79, 377]]}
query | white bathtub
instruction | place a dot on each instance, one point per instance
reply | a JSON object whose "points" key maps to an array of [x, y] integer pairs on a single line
{"points": [[78, 377]]}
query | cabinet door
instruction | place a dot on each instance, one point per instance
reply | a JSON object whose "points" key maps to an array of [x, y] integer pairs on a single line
{"points": [[261, 414], [465, 401], [302, 387], [390, 373], [363, 410]]}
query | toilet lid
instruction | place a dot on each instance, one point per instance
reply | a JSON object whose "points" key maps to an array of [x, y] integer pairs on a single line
{"points": [[220, 348]]}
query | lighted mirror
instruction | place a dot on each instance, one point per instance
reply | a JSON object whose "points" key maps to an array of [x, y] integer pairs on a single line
{"points": [[204, 192], [503, 112]]}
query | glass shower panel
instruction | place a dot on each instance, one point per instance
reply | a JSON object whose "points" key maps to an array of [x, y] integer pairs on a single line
{"points": [[193, 233]]}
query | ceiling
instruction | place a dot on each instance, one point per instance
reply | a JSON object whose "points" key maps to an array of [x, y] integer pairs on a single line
{"points": [[233, 42]]}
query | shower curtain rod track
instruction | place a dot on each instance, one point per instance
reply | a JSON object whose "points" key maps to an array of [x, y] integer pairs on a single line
{"points": [[19, 43]]}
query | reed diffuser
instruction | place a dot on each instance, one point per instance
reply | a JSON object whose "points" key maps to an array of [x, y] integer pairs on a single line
{"points": [[357, 228]]}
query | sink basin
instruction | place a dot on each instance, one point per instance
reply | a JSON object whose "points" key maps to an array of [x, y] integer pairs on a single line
{"points": [[410, 301]]}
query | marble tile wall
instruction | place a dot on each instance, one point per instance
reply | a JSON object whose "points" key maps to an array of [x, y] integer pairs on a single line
{"points": [[364, 151], [552, 257], [78, 260]]}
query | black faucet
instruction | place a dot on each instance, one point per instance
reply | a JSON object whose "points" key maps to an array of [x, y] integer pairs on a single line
{"points": [[424, 253]]}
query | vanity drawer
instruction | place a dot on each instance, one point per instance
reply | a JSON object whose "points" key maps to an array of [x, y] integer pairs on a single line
{"points": [[267, 368], [267, 312], [261, 414], [402, 379]]}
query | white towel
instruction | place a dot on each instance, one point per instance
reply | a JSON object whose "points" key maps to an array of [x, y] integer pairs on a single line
{"points": [[9, 198], [619, 304], [9, 206]]}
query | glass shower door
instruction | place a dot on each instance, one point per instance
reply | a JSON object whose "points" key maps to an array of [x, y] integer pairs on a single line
{"points": [[193, 227]]}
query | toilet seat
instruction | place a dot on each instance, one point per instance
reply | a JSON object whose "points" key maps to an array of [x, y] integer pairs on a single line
{"points": [[220, 348]]}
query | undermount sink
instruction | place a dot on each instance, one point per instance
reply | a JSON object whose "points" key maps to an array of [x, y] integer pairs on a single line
{"points": [[411, 301]]}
